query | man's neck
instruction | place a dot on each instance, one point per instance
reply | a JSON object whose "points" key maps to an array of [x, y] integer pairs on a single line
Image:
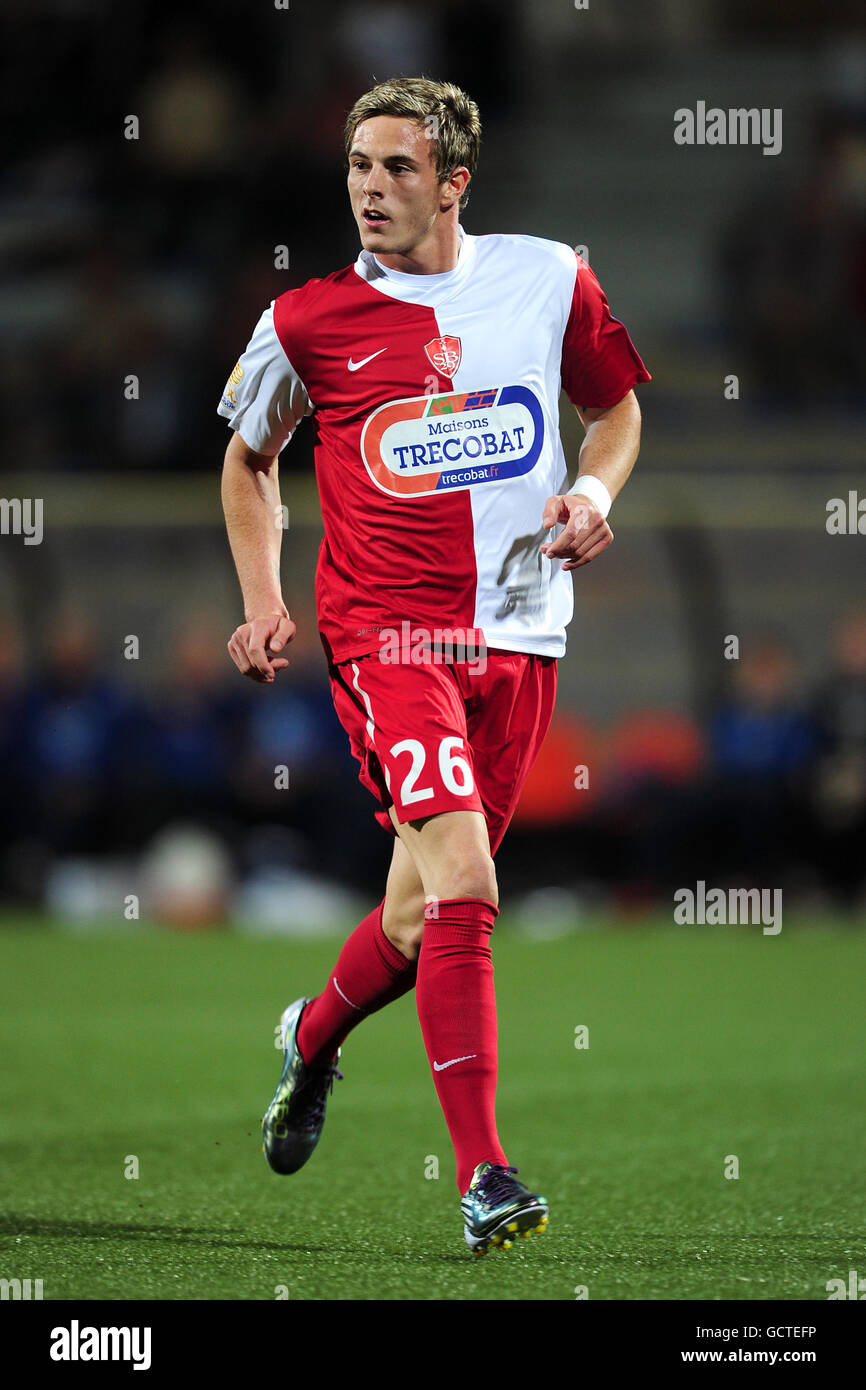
{"points": [[436, 255]]}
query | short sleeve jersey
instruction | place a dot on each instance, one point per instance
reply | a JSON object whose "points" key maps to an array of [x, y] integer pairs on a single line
{"points": [[435, 406]]}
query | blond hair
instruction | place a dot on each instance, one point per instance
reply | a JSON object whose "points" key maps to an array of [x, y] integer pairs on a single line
{"points": [[449, 115]]}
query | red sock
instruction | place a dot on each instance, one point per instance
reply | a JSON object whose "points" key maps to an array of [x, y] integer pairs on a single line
{"points": [[457, 1012], [370, 973]]}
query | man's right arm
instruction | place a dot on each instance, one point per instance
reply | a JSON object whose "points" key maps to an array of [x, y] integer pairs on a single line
{"points": [[251, 504]]}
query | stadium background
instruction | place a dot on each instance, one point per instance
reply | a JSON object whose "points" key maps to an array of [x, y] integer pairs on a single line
{"points": [[154, 776]]}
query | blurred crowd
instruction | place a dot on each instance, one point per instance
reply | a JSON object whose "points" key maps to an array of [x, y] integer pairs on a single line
{"points": [[793, 267], [769, 791], [141, 226], [97, 771], [142, 206]]}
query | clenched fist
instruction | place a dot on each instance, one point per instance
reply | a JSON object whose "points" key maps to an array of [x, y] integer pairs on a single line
{"points": [[253, 645]]}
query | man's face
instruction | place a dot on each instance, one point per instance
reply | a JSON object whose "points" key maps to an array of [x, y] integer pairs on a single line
{"points": [[393, 188]]}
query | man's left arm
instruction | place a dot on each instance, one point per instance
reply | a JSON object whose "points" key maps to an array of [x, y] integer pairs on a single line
{"points": [[607, 457]]}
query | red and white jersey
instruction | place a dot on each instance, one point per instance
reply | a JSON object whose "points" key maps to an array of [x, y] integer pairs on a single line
{"points": [[435, 401]]}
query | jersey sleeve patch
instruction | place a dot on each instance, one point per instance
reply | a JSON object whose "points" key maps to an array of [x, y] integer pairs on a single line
{"points": [[264, 398]]}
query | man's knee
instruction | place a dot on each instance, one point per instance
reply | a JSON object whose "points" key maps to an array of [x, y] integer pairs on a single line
{"points": [[456, 860], [450, 859], [470, 874]]}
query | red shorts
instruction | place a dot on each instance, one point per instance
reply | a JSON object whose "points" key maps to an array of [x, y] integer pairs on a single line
{"points": [[459, 736]]}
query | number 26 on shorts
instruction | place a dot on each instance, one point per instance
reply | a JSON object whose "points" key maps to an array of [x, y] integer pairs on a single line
{"points": [[454, 770]]}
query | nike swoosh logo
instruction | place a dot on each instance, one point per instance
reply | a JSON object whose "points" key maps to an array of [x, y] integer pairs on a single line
{"points": [[353, 366], [440, 1066]]}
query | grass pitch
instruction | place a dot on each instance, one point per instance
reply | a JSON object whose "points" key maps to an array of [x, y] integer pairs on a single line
{"points": [[706, 1044]]}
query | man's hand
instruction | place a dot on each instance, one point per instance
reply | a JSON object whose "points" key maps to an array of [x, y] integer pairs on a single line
{"points": [[586, 533], [253, 644]]}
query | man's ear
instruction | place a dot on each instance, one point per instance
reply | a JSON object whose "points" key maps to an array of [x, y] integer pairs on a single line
{"points": [[455, 184]]}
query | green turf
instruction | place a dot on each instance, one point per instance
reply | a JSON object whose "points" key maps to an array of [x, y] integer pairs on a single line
{"points": [[704, 1042]]}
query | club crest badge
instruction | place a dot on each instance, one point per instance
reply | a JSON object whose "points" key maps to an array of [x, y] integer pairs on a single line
{"points": [[444, 353]]}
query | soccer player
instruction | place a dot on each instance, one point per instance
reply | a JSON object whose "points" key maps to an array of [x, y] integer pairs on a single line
{"points": [[432, 371]]}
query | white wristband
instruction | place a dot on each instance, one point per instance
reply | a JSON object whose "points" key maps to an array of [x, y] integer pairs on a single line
{"points": [[595, 490]]}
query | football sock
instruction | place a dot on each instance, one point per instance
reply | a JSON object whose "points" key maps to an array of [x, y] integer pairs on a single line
{"points": [[457, 1012], [370, 973]]}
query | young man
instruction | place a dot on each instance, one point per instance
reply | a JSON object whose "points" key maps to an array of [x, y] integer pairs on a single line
{"points": [[432, 369]]}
